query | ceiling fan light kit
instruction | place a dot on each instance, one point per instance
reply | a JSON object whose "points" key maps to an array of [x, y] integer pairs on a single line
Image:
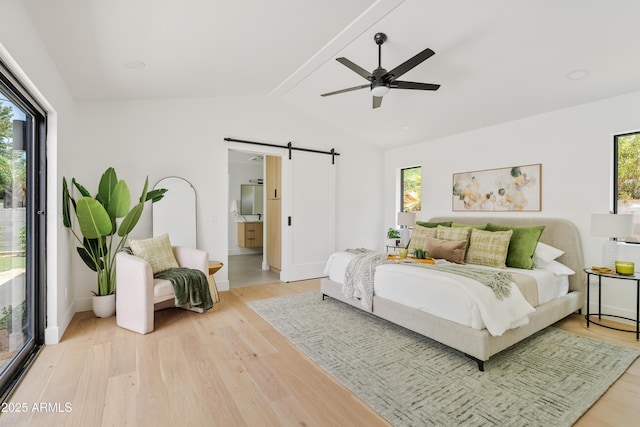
{"points": [[379, 90], [381, 80]]}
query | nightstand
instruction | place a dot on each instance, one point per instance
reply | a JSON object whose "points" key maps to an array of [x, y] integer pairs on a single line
{"points": [[635, 278]]}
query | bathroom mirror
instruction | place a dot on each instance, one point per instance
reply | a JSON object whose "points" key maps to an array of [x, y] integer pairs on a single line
{"points": [[251, 199], [175, 214]]}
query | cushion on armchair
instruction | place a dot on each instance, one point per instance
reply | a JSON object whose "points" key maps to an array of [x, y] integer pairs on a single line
{"points": [[156, 251]]}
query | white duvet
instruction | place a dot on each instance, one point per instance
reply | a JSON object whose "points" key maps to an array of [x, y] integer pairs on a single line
{"points": [[449, 296]]}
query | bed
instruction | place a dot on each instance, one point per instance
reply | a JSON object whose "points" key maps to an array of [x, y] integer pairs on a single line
{"points": [[473, 339]]}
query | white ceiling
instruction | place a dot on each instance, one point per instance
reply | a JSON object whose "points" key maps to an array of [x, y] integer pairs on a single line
{"points": [[497, 60]]}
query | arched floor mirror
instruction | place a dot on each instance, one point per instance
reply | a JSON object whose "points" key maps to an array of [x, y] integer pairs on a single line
{"points": [[175, 214]]}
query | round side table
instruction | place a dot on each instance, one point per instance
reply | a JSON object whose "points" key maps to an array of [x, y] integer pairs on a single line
{"points": [[213, 267]]}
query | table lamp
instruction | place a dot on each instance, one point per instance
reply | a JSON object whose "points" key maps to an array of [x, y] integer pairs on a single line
{"points": [[405, 220], [611, 226]]}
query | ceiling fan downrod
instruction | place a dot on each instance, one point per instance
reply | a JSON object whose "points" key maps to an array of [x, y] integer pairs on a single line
{"points": [[380, 38]]}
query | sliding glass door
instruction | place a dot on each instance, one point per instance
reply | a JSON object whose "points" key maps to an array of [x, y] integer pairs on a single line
{"points": [[22, 129]]}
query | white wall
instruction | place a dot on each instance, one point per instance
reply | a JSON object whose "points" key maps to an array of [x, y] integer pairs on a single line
{"points": [[573, 145], [23, 52], [184, 137]]}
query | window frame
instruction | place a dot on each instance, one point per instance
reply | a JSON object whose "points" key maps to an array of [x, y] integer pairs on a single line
{"points": [[35, 274], [402, 187], [616, 138]]}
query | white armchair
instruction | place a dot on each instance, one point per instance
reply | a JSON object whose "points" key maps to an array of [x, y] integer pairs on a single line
{"points": [[139, 295]]}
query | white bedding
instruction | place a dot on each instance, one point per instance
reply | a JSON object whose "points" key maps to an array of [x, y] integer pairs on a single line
{"points": [[441, 294]]}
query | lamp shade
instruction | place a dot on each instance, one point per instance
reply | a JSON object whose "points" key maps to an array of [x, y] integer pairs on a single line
{"points": [[612, 225], [406, 218]]}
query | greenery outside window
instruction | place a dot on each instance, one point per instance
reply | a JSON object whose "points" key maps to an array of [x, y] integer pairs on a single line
{"points": [[626, 179], [411, 189]]}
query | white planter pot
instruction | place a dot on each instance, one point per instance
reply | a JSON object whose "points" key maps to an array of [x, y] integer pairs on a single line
{"points": [[104, 306]]}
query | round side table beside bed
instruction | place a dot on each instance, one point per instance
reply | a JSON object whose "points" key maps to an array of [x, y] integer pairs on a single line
{"points": [[635, 277]]}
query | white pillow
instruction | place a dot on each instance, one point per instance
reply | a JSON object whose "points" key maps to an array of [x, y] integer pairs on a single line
{"points": [[558, 269], [544, 254]]}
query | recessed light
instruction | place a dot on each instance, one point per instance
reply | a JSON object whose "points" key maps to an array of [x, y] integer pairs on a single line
{"points": [[135, 65], [405, 127], [577, 74]]}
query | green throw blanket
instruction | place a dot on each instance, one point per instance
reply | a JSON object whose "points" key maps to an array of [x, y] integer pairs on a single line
{"points": [[190, 286]]}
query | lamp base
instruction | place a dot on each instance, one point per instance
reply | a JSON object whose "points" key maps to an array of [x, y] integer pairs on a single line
{"points": [[405, 236], [609, 254]]}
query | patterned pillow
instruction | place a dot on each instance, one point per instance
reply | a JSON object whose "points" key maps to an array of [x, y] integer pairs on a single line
{"points": [[489, 247], [451, 250], [453, 233], [419, 237], [156, 251]]}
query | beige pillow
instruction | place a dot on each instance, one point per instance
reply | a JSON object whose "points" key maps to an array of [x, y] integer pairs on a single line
{"points": [[453, 233], [419, 237], [156, 251], [489, 247], [451, 250]]}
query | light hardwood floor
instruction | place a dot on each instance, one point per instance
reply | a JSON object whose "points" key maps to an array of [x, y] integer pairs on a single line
{"points": [[227, 367]]}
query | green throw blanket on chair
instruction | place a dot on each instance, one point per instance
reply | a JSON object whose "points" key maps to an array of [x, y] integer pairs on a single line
{"points": [[190, 286]]}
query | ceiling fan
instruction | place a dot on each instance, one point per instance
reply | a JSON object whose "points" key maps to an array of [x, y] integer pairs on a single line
{"points": [[381, 80]]}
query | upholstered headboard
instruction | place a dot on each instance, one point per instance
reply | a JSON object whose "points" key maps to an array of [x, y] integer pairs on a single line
{"points": [[558, 233]]}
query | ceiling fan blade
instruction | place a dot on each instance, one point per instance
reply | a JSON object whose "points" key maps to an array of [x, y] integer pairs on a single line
{"points": [[408, 64], [354, 67], [414, 85], [345, 90], [377, 101]]}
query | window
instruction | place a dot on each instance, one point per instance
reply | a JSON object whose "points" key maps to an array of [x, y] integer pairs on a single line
{"points": [[22, 230], [626, 179], [411, 189]]}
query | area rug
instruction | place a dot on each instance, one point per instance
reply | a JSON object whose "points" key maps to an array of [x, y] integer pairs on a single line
{"points": [[549, 379]]}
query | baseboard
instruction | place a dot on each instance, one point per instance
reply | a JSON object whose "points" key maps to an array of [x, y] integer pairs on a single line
{"points": [[53, 334]]}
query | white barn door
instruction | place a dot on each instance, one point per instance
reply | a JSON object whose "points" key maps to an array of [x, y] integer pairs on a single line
{"points": [[308, 220]]}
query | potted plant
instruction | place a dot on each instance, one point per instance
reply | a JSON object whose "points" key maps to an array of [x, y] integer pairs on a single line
{"points": [[393, 237], [99, 221]]}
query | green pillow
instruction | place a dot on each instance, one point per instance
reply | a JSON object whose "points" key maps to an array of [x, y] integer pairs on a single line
{"points": [[476, 226], [434, 224], [523, 244]]}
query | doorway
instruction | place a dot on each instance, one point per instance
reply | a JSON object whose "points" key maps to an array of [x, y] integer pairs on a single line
{"points": [[306, 214], [247, 257]]}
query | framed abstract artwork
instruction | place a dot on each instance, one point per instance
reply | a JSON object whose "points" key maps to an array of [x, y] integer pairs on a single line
{"points": [[514, 188]]}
